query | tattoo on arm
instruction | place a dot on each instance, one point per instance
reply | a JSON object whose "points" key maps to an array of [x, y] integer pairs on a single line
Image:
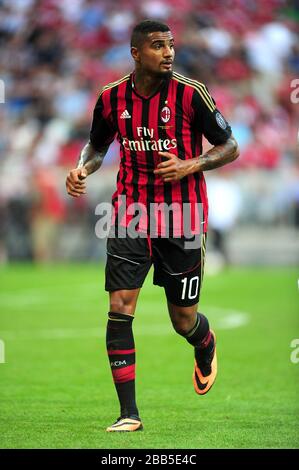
{"points": [[90, 158], [218, 156]]}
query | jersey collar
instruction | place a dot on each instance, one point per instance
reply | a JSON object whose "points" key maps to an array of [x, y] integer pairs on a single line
{"points": [[160, 88]]}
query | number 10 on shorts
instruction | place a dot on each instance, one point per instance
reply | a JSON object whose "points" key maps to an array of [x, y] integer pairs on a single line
{"points": [[191, 287]]}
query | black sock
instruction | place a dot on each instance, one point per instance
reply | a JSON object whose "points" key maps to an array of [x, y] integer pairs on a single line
{"points": [[121, 353], [200, 336]]}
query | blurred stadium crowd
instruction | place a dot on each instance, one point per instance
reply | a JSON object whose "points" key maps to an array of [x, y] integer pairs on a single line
{"points": [[55, 55]]}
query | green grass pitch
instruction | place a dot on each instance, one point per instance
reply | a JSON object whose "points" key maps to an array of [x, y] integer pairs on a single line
{"points": [[56, 388]]}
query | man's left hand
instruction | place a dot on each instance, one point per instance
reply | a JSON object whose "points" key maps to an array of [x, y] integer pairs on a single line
{"points": [[173, 169]]}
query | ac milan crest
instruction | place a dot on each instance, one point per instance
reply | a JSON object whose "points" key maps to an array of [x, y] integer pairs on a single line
{"points": [[165, 114]]}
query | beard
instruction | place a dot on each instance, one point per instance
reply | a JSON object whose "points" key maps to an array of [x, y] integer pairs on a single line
{"points": [[165, 75]]}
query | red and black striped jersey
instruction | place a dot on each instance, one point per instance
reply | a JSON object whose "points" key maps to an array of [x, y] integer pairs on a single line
{"points": [[173, 119]]}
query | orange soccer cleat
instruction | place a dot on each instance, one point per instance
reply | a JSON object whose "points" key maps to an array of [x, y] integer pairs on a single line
{"points": [[205, 371]]}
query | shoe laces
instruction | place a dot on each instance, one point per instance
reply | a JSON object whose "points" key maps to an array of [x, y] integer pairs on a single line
{"points": [[127, 417]]}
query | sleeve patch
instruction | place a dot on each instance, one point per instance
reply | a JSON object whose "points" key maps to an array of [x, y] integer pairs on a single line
{"points": [[220, 120]]}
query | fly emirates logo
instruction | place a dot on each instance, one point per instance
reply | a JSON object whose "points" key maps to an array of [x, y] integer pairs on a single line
{"points": [[146, 142]]}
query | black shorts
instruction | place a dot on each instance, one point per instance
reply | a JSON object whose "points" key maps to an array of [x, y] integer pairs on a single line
{"points": [[177, 267]]}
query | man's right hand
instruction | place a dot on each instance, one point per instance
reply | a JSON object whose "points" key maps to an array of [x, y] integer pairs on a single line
{"points": [[76, 182]]}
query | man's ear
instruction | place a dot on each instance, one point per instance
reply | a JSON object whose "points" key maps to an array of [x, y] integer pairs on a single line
{"points": [[135, 54]]}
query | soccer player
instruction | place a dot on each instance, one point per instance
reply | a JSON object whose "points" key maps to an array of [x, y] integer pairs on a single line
{"points": [[159, 117]]}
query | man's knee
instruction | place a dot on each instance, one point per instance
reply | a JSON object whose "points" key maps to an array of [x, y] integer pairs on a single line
{"points": [[181, 325], [123, 301], [182, 318]]}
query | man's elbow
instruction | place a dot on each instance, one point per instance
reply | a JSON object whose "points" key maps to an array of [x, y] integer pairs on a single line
{"points": [[235, 151]]}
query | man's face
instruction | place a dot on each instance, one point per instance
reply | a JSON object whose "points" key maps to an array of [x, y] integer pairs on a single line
{"points": [[156, 54]]}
